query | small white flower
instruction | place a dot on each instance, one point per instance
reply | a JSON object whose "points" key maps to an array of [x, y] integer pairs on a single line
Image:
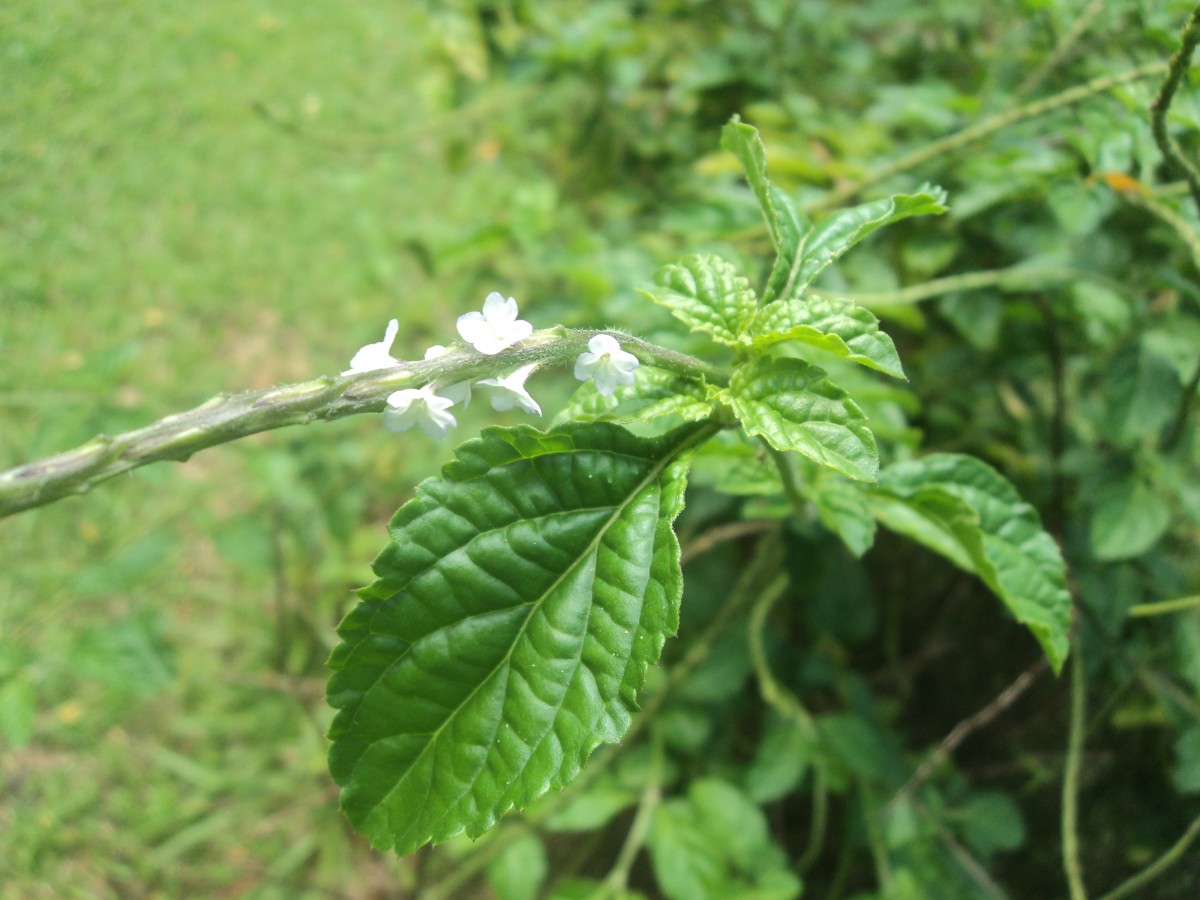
{"points": [[496, 328], [605, 363], [419, 406], [376, 356], [459, 393], [509, 392]]}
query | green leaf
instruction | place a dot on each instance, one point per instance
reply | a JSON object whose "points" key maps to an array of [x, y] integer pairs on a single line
{"points": [[843, 508], [838, 326], [707, 294], [780, 763], [784, 224], [518, 872], [735, 464], [830, 238], [516, 608], [1142, 390], [715, 844], [654, 393], [795, 407], [1128, 520], [965, 510], [992, 822]]}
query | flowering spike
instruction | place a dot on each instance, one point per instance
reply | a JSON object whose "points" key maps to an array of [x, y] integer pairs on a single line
{"points": [[606, 363], [496, 328]]}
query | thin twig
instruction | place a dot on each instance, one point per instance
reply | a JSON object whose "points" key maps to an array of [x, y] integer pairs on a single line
{"points": [[1178, 65], [1179, 604], [1061, 50], [705, 542], [969, 726], [618, 878], [986, 128], [1158, 867], [971, 865], [788, 705], [1070, 790], [1016, 278]]}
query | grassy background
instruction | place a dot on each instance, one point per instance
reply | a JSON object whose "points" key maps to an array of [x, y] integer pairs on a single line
{"points": [[196, 198], [219, 196]]}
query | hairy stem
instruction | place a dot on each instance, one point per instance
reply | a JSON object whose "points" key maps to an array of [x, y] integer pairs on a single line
{"points": [[986, 128], [227, 418]]}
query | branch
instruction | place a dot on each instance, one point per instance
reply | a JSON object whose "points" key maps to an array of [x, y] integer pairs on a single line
{"points": [[1188, 37], [986, 128], [226, 418], [1070, 790]]}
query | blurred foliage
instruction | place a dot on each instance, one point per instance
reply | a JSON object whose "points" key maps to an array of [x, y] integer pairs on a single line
{"points": [[217, 197]]}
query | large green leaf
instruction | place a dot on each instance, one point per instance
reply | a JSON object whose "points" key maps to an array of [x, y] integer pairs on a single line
{"points": [[795, 407], [516, 608], [654, 393], [965, 510], [707, 294], [830, 238], [838, 326], [784, 224]]}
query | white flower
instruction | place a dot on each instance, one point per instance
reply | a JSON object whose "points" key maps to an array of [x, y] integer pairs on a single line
{"points": [[605, 363], [509, 392], [419, 406], [496, 328], [459, 393], [376, 356]]}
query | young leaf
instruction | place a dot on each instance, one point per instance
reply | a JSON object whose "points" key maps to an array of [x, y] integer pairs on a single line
{"points": [[516, 608], [707, 294], [965, 510], [795, 407], [839, 326], [653, 394], [830, 238], [784, 224]]}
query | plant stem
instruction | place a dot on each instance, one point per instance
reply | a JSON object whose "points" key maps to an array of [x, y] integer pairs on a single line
{"points": [[1063, 49], [227, 418], [986, 128], [1070, 791], [1158, 867], [1179, 604], [618, 878], [1016, 278], [1176, 67], [969, 726]]}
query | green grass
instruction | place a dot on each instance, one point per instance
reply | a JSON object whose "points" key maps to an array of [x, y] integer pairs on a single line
{"points": [[197, 198]]}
